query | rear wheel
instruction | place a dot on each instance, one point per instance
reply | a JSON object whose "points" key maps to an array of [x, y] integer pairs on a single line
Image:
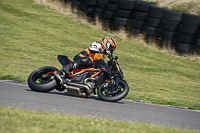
{"points": [[113, 94], [42, 79]]}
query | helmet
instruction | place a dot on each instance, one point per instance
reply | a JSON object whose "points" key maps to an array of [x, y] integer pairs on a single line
{"points": [[109, 43]]}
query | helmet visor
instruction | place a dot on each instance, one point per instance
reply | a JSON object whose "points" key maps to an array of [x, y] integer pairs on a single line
{"points": [[110, 47], [108, 44]]}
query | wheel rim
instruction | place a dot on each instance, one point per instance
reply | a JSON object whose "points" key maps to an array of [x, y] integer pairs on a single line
{"points": [[112, 91], [43, 76]]}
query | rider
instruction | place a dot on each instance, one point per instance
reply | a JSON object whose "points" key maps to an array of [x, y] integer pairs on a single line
{"points": [[96, 51]]}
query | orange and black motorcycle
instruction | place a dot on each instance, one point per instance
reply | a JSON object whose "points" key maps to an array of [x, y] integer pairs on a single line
{"points": [[105, 79]]}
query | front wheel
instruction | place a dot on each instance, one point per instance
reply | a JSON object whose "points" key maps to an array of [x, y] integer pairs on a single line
{"points": [[113, 94], [42, 79]]}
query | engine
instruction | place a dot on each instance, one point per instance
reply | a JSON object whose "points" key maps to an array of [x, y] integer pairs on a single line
{"points": [[79, 78], [81, 84]]}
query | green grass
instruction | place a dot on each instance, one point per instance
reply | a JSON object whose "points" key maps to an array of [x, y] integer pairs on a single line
{"points": [[31, 36], [21, 121]]}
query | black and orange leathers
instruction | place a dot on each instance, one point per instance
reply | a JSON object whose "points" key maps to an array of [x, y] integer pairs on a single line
{"points": [[92, 53], [86, 57], [87, 53]]}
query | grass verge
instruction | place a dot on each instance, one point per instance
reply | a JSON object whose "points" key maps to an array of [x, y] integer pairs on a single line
{"points": [[16, 120], [33, 35]]}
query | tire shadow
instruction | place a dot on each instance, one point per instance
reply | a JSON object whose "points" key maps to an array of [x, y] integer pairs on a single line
{"points": [[94, 97]]}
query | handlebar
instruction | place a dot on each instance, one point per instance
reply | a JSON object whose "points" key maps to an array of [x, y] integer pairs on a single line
{"points": [[112, 58]]}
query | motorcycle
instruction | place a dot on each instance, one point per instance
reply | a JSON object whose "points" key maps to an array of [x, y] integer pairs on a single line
{"points": [[105, 79]]}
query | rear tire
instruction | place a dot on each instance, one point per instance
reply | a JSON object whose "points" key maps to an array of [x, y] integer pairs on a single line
{"points": [[115, 97], [37, 81]]}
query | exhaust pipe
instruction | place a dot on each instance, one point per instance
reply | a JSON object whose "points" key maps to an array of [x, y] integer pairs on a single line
{"points": [[76, 87], [87, 86], [85, 82], [57, 75]]}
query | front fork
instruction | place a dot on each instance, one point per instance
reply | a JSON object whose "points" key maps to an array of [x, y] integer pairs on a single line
{"points": [[114, 79]]}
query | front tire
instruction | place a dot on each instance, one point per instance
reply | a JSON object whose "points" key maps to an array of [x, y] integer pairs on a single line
{"points": [[42, 79], [104, 95]]}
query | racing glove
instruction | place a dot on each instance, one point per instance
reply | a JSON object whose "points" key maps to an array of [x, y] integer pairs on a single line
{"points": [[106, 52]]}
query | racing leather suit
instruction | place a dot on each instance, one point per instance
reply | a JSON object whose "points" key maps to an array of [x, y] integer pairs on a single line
{"points": [[86, 57]]}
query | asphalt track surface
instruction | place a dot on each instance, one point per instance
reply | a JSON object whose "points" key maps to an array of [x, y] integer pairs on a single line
{"points": [[18, 95]]}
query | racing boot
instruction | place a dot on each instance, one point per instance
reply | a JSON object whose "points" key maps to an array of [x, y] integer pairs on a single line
{"points": [[68, 68], [85, 61]]}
